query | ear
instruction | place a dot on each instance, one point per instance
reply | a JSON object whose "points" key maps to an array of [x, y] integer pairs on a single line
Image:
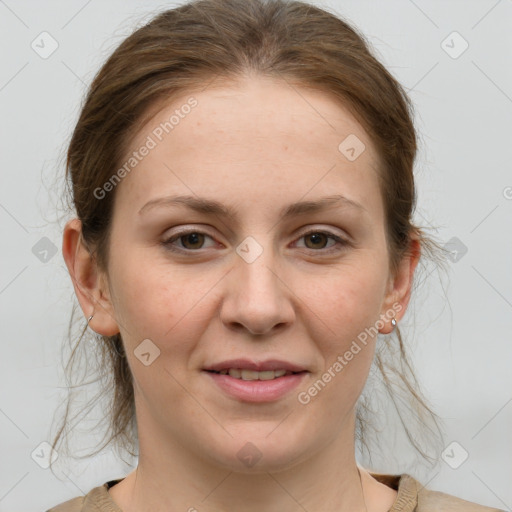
{"points": [[89, 283], [400, 286]]}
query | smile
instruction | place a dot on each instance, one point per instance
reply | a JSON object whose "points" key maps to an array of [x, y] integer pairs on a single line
{"points": [[241, 373], [252, 386]]}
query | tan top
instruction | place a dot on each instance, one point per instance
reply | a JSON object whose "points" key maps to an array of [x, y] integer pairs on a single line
{"points": [[412, 497]]}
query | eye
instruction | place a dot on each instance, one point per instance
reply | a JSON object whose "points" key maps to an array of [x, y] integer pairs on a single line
{"points": [[191, 240], [319, 238]]}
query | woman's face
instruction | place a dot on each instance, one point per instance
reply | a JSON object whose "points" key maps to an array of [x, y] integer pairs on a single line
{"points": [[249, 284]]}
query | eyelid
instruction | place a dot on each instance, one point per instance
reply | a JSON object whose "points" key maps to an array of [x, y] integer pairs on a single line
{"points": [[341, 241], [167, 242]]}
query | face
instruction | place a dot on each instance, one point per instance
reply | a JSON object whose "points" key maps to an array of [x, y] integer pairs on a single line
{"points": [[192, 287]]}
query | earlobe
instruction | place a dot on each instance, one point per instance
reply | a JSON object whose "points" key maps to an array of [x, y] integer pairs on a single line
{"points": [[87, 281], [400, 288]]}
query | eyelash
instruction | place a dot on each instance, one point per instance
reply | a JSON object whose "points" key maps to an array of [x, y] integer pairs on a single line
{"points": [[342, 243]]}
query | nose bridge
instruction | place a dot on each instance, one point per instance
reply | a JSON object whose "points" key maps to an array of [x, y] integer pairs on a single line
{"points": [[257, 297], [258, 281]]}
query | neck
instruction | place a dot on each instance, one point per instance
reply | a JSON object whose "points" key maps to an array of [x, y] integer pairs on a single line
{"points": [[172, 476]]}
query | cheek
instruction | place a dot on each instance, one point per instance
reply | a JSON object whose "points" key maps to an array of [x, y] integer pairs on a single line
{"points": [[341, 315], [346, 301], [159, 304], [341, 331], [158, 301]]}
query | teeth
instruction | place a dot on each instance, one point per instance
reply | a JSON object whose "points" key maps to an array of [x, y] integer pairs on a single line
{"points": [[238, 373]]}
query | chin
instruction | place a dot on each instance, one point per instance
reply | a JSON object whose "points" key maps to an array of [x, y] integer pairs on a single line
{"points": [[253, 455]]}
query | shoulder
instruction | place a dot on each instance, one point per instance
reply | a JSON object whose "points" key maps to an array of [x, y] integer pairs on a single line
{"points": [[429, 500], [435, 500], [97, 499], [72, 505], [412, 496]]}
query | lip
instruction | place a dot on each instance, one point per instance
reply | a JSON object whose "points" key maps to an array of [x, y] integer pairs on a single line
{"points": [[256, 390], [247, 364]]}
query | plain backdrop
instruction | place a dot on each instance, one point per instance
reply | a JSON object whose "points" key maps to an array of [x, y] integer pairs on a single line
{"points": [[453, 57]]}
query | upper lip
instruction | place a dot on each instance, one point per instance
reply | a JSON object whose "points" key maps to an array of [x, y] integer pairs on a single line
{"points": [[261, 366]]}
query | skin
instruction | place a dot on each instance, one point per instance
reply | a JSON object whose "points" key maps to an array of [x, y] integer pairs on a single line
{"points": [[256, 145]]}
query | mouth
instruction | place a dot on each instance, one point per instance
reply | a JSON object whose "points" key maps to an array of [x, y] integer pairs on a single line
{"points": [[245, 374], [245, 385]]}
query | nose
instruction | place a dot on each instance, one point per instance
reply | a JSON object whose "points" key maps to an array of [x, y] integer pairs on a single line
{"points": [[257, 297]]}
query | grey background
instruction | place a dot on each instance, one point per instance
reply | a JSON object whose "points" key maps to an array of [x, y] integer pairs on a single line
{"points": [[461, 340]]}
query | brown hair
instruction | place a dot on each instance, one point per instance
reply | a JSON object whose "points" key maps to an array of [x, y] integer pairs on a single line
{"points": [[182, 50]]}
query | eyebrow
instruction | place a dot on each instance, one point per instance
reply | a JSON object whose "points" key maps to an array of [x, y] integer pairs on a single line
{"points": [[212, 207]]}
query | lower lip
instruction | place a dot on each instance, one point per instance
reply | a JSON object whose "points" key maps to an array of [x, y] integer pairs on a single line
{"points": [[257, 390]]}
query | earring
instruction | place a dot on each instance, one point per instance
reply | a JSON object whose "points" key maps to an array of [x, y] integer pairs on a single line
{"points": [[89, 319], [393, 322]]}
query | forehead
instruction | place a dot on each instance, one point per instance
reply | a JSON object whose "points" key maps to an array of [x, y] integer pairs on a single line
{"points": [[253, 134], [255, 107]]}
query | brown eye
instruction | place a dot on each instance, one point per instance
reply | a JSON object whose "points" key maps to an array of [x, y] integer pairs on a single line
{"points": [[189, 241], [194, 239], [318, 240]]}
